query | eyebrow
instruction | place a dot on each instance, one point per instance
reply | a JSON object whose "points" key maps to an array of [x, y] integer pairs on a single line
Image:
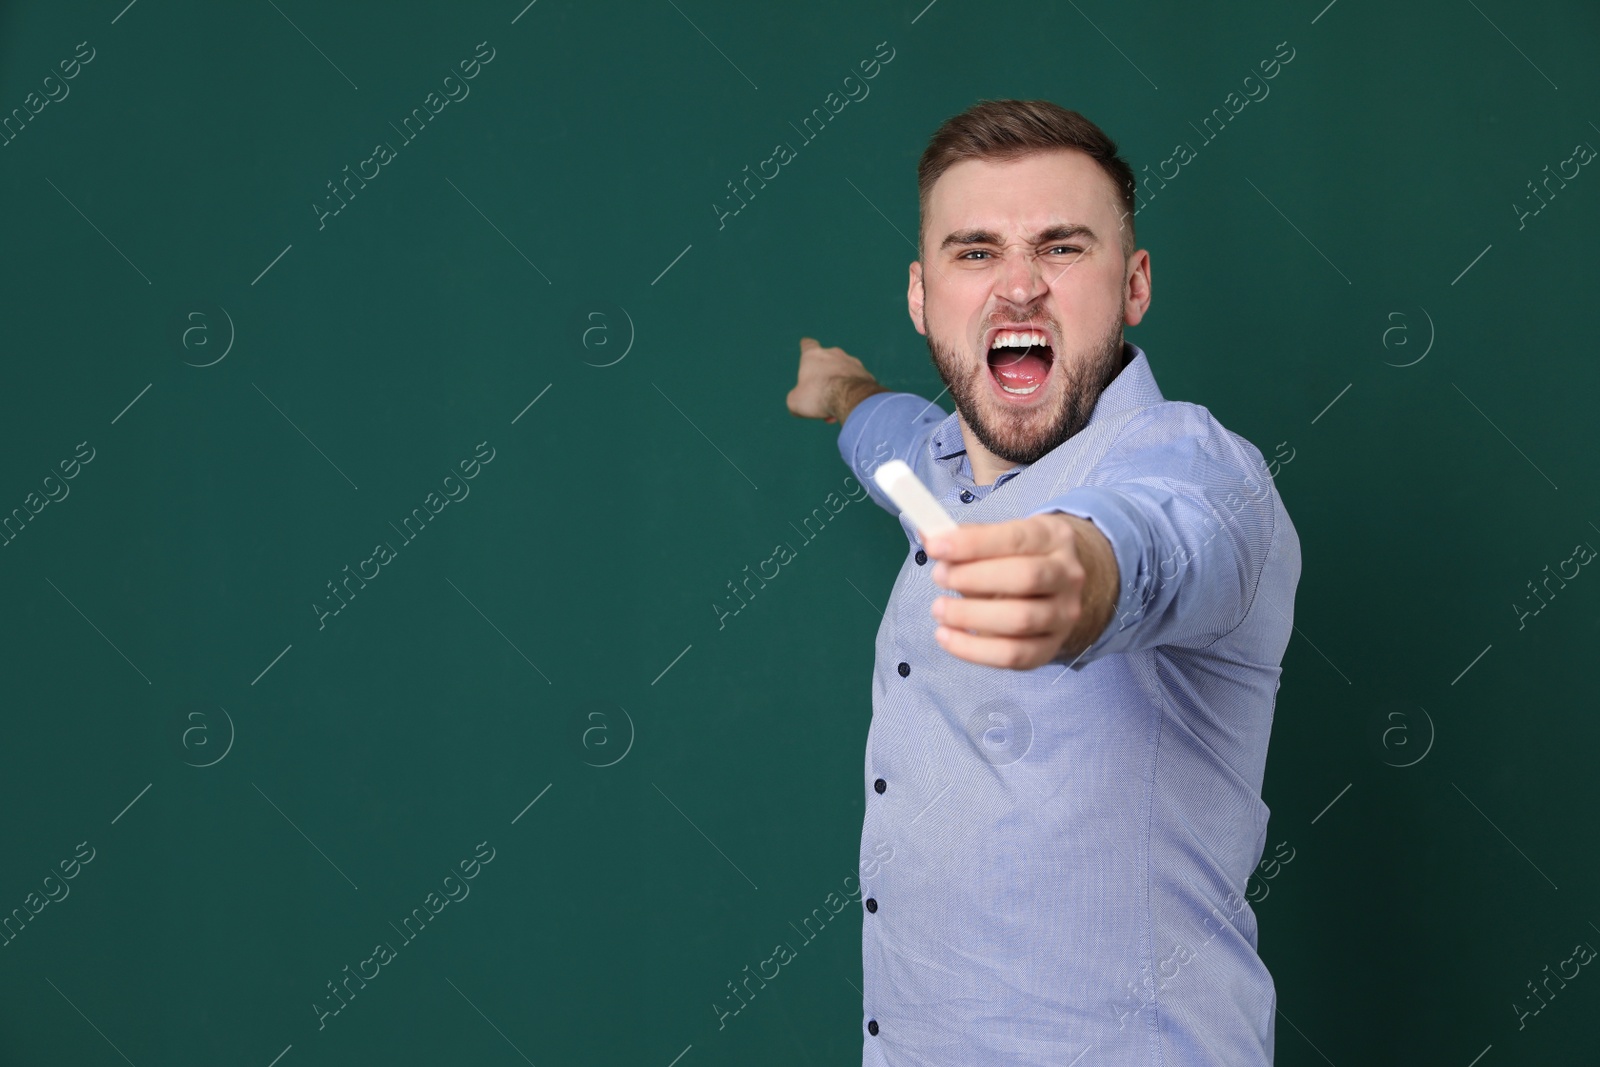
{"points": [[1065, 232]]}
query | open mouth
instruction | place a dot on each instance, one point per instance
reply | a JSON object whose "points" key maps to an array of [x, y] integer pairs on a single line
{"points": [[1020, 360]]}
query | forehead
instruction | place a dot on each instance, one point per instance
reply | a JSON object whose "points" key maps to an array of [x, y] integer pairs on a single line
{"points": [[1023, 195]]}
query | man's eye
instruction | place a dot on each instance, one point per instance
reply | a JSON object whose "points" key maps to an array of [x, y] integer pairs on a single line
{"points": [[982, 252]]}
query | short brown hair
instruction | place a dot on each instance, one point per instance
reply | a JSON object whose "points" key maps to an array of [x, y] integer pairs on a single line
{"points": [[1003, 130]]}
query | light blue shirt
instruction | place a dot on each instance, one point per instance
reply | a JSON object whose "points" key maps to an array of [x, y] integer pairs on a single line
{"points": [[1053, 861]]}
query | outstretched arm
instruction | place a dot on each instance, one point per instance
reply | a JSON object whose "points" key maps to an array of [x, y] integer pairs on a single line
{"points": [[1189, 511]]}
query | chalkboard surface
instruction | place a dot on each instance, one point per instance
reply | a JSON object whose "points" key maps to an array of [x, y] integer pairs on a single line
{"points": [[394, 393]]}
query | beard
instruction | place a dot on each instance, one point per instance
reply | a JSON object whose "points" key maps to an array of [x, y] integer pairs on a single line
{"points": [[1024, 436]]}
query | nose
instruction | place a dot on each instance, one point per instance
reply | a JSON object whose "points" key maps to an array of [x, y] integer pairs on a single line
{"points": [[1021, 279]]}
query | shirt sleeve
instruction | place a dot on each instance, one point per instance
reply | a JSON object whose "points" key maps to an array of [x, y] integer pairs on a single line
{"points": [[1189, 508], [882, 427]]}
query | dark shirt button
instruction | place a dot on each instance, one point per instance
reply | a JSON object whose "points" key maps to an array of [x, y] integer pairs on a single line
{"points": [[905, 669], [880, 785], [922, 557], [872, 1027], [872, 904], [966, 497]]}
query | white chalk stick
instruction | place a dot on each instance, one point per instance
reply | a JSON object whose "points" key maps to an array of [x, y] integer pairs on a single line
{"points": [[901, 484]]}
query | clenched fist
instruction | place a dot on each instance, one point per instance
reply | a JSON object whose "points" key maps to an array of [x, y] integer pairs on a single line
{"points": [[831, 383], [1032, 589]]}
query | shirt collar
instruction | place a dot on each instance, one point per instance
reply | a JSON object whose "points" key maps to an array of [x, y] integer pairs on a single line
{"points": [[1134, 386]]}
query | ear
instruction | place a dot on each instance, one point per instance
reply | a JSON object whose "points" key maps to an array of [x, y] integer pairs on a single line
{"points": [[1136, 293], [914, 298]]}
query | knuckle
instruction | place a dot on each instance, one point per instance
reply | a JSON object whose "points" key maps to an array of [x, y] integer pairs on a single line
{"points": [[1062, 576]]}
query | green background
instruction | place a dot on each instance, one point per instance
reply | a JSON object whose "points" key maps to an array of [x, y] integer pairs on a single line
{"points": [[561, 616]]}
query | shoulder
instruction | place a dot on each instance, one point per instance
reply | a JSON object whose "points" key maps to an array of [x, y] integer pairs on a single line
{"points": [[1178, 436]]}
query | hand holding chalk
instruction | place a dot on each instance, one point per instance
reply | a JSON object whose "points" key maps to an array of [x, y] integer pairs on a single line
{"points": [[901, 484]]}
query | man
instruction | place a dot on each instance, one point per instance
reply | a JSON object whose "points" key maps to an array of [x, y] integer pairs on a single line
{"points": [[1073, 692]]}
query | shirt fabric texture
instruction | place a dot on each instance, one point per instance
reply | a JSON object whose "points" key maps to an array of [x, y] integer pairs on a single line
{"points": [[1053, 861]]}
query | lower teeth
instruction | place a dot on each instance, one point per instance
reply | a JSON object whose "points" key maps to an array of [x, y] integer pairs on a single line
{"points": [[1020, 392]]}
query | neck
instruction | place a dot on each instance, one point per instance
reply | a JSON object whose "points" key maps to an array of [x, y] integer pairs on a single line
{"points": [[986, 466]]}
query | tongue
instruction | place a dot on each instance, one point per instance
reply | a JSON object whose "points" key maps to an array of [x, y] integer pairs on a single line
{"points": [[1019, 368]]}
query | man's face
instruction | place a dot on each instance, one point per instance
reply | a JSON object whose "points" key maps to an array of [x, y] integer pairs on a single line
{"points": [[1018, 253]]}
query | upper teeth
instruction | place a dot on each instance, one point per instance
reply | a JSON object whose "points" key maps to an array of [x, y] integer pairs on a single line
{"points": [[1019, 339]]}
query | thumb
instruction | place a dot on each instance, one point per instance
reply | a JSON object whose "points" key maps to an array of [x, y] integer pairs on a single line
{"points": [[808, 342]]}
